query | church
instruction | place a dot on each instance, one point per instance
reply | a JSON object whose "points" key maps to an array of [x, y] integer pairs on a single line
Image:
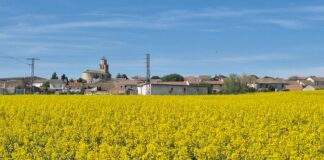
{"points": [[93, 76]]}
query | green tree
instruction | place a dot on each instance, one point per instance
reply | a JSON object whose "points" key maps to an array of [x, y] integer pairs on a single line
{"points": [[54, 76], [232, 84], [65, 79], [46, 85], [119, 75], [172, 77], [155, 77]]}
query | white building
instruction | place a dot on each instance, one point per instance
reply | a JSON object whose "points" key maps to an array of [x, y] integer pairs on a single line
{"points": [[39, 83], [92, 76], [313, 88], [57, 85], [171, 88], [266, 83]]}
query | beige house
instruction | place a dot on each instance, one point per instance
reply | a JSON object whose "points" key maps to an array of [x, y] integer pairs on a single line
{"points": [[293, 86], [217, 86], [126, 87]]}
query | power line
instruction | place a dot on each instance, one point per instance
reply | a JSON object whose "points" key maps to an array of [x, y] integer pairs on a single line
{"points": [[13, 58]]}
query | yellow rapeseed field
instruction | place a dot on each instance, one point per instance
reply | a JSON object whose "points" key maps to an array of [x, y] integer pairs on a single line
{"points": [[253, 126]]}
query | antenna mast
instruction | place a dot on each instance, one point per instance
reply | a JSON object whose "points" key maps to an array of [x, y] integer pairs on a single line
{"points": [[148, 74], [32, 73]]}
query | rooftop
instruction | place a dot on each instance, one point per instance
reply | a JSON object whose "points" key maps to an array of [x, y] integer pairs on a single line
{"points": [[270, 81], [318, 79]]}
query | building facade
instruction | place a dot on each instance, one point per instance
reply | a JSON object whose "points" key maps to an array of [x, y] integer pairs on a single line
{"points": [[171, 88]]}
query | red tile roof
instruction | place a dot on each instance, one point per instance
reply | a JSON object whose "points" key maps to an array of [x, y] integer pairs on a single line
{"points": [[294, 87]]}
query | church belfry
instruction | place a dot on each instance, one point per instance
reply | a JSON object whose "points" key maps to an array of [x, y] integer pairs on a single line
{"points": [[104, 65]]}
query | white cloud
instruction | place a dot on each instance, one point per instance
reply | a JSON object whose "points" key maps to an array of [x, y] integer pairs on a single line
{"points": [[249, 58], [46, 44], [289, 24]]}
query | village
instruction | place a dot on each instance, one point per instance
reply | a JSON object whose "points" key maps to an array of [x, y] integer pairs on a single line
{"points": [[100, 82]]}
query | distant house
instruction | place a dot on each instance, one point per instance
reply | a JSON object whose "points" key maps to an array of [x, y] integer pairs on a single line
{"points": [[39, 82], [318, 81], [192, 79], [305, 82], [2, 84], [99, 88], [266, 83], [293, 86], [17, 85], [205, 77], [74, 87], [313, 88], [139, 78], [216, 86], [172, 88], [56, 85], [126, 87], [12, 85], [117, 90]]}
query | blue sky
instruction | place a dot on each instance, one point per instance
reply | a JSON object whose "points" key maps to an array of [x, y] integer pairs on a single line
{"points": [[190, 37]]}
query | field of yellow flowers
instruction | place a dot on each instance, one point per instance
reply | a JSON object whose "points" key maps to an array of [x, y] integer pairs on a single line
{"points": [[251, 126]]}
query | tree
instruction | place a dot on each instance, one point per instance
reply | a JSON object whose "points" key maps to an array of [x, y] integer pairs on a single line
{"points": [[248, 79], [65, 79], [267, 77], [155, 77], [71, 80], [54, 76], [80, 80], [119, 75], [254, 76], [124, 76], [218, 77], [232, 84], [172, 77], [46, 85]]}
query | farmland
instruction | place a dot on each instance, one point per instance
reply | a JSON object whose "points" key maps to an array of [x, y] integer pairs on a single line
{"points": [[251, 126]]}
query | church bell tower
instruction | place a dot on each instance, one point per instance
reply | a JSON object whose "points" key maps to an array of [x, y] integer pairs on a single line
{"points": [[104, 65]]}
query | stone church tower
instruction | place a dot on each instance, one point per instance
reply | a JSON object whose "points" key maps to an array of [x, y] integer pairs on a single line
{"points": [[93, 76], [103, 66]]}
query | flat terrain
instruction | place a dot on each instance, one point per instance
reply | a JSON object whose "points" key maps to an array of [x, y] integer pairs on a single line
{"points": [[252, 126]]}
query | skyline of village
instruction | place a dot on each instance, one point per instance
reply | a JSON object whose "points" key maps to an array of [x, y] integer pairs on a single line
{"points": [[116, 73], [100, 81]]}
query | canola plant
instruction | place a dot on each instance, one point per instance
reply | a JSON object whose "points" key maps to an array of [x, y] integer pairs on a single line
{"points": [[253, 126]]}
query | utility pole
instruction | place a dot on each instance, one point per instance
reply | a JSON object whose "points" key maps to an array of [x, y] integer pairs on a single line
{"points": [[148, 74], [32, 73]]}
